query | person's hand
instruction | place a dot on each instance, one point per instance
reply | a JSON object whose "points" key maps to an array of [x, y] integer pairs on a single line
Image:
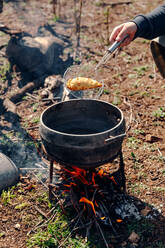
{"points": [[121, 31]]}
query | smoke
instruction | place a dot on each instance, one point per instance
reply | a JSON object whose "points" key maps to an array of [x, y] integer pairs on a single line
{"points": [[25, 15]]}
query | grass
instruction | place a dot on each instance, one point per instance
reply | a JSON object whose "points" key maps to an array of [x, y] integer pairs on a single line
{"points": [[22, 205], [138, 131], [116, 100], [159, 113], [141, 70], [35, 107], [133, 142], [8, 195], [57, 234], [35, 120], [4, 70]]}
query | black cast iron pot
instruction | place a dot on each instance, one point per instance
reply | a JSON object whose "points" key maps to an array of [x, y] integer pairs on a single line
{"points": [[82, 132]]}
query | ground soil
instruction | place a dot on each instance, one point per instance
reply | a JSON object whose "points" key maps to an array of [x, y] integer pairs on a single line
{"points": [[132, 82]]}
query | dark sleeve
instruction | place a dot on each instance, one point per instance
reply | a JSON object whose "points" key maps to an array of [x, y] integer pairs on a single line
{"points": [[151, 25], [1, 6]]}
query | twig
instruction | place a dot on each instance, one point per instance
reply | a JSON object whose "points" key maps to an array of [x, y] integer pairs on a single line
{"points": [[97, 224], [31, 128], [50, 99], [3, 54], [159, 152], [31, 96], [59, 200], [105, 211], [88, 230], [160, 182], [71, 231], [93, 197], [41, 212]]}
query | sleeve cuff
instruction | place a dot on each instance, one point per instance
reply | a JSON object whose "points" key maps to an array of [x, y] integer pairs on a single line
{"points": [[143, 26]]}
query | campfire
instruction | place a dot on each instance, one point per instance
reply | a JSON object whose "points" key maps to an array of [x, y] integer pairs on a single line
{"points": [[92, 194]]}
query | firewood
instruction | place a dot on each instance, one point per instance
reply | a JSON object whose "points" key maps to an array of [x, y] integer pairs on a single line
{"points": [[10, 106], [17, 96]]}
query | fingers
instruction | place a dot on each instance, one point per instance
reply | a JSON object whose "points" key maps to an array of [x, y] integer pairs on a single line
{"points": [[116, 31], [121, 31]]}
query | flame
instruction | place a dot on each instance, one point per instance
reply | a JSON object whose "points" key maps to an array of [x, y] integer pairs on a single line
{"points": [[96, 203], [100, 172], [93, 178], [119, 220], [73, 184], [102, 218], [79, 173], [113, 179], [79, 170], [69, 185], [66, 190], [85, 200]]}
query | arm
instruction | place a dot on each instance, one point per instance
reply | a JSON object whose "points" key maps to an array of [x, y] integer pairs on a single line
{"points": [[151, 25], [147, 26]]}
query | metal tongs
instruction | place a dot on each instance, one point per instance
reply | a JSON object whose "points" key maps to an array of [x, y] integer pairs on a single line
{"points": [[110, 51]]}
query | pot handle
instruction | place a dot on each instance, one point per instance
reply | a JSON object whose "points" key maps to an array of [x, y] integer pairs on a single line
{"points": [[112, 138]]}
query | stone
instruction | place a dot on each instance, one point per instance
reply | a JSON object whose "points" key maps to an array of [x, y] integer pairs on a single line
{"points": [[34, 55], [134, 237], [17, 226], [53, 82]]}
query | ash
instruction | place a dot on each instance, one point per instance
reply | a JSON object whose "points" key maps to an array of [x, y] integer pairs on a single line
{"points": [[126, 209]]}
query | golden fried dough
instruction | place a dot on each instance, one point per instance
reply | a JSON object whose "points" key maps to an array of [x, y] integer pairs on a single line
{"points": [[82, 83]]}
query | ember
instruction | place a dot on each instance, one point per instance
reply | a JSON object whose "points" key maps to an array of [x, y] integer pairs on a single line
{"points": [[93, 194]]}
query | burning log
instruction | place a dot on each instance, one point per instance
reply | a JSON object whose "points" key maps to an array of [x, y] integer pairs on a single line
{"points": [[93, 193]]}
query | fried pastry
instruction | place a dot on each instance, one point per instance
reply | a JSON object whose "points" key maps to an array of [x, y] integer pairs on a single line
{"points": [[82, 83]]}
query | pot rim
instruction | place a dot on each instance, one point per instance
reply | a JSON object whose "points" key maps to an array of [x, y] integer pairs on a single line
{"points": [[80, 135]]}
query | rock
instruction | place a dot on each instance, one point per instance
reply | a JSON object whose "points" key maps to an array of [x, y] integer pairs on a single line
{"points": [[34, 55], [44, 94], [151, 138], [17, 226], [134, 237], [2, 234], [53, 82], [4, 219]]}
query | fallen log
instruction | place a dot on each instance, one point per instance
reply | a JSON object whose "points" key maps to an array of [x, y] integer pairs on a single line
{"points": [[17, 96]]}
